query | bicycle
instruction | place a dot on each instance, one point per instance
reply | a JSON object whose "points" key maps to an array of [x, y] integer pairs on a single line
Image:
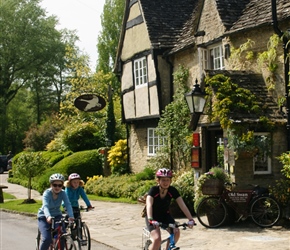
{"points": [[80, 231], [60, 240], [170, 229], [257, 203]]}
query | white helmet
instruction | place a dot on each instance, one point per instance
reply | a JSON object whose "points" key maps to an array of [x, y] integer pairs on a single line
{"points": [[74, 176], [56, 177]]}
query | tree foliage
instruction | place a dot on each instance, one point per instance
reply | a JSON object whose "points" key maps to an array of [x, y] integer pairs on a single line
{"points": [[32, 56], [29, 165], [174, 124], [111, 21], [38, 136]]}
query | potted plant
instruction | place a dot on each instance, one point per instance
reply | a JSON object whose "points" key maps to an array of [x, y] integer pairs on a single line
{"points": [[210, 183], [248, 144]]}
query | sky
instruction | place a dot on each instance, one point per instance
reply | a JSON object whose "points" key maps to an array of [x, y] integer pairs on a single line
{"points": [[84, 16]]}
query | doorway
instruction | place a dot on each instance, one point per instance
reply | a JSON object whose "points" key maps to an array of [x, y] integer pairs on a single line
{"points": [[214, 148]]}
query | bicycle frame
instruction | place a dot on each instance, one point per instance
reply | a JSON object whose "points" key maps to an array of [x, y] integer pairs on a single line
{"points": [[170, 229], [239, 201], [57, 232], [82, 235], [171, 238]]}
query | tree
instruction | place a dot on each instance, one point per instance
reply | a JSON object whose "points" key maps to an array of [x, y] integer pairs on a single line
{"points": [[29, 165], [20, 115], [28, 41], [108, 40]]}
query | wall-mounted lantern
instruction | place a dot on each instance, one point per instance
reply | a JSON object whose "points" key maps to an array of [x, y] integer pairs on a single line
{"points": [[196, 99]]}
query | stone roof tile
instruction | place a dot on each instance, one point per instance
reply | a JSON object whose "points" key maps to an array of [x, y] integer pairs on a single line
{"points": [[230, 10], [165, 19], [259, 13]]}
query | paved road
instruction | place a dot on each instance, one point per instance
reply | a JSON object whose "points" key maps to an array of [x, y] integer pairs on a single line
{"points": [[18, 230], [120, 226]]}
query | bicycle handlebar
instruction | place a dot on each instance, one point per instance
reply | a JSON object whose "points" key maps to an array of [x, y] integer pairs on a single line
{"points": [[172, 225], [63, 219], [86, 209]]}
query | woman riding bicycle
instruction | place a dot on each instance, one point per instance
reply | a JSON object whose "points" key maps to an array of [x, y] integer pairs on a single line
{"points": [[51, 204], [157, 207], [74, 188]]}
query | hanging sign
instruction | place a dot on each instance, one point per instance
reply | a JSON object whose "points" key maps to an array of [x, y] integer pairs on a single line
{"points": [[90, 102]]}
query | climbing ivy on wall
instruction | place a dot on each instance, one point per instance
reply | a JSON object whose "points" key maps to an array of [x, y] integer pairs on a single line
{"points": [[173, 125], [244, 58], [229, 99]]}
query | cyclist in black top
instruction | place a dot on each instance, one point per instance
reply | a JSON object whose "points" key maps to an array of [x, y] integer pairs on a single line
{"points": [[157, 207]]}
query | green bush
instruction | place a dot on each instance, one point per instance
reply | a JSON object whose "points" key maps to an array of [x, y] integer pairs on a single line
{"points": [[85, 163], [184, 183], [146, 174], [83, 136], [54, 157], [38, 136], [281, 191], [118, 186]]}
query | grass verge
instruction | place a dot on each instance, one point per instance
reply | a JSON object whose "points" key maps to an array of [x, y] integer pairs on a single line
{"points": [[17, 205]]}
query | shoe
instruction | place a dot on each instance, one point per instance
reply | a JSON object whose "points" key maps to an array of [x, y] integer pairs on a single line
{"points": [[83, 242]]}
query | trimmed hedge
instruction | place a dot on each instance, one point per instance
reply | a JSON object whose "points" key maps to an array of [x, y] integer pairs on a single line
{"points": [[125, 186], [85, 163]]}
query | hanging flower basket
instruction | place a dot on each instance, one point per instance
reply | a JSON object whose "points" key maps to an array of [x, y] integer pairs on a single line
{"points": [[248, 153], [212, 187]]}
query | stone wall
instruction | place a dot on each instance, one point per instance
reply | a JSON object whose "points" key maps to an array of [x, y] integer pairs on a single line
{"points": [[137, 142], [243, 169]]}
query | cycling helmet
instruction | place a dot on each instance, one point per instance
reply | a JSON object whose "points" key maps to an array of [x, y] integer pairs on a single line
{"points": [[74, 176], [56, 177], [164, 172]]}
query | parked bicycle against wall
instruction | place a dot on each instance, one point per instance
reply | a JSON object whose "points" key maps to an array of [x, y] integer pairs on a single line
{"points": [[256, 203]]}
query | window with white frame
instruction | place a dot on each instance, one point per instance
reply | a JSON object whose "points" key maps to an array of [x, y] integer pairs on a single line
{"points": [[211, 57], [154, 141], [140, 72], [262, 160]]}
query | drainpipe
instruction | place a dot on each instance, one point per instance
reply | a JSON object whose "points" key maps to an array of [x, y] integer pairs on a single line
{"points": [[286, 66]]}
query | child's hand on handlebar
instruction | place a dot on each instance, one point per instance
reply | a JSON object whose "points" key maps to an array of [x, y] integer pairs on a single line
{"points": [[154, 223], [191, 223], [90, 208]]}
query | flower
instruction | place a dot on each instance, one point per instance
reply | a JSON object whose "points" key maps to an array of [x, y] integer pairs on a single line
{"points": [[216, 173]]}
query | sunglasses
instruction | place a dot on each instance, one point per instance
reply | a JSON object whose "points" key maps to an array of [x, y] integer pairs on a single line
{"points": [[57, 185]]}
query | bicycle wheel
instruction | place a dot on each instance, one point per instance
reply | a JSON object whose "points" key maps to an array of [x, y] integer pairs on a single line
{"points": [[211, 212], [65, 242], [37, 240], [265, 211], [84, 238]]}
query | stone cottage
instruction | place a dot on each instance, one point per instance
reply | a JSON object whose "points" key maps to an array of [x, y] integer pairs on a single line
{"points": [[228, 37]]}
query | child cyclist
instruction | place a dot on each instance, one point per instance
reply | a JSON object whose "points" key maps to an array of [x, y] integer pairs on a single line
{"points": [[74, 188], [157, 207], [51, 207]]}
